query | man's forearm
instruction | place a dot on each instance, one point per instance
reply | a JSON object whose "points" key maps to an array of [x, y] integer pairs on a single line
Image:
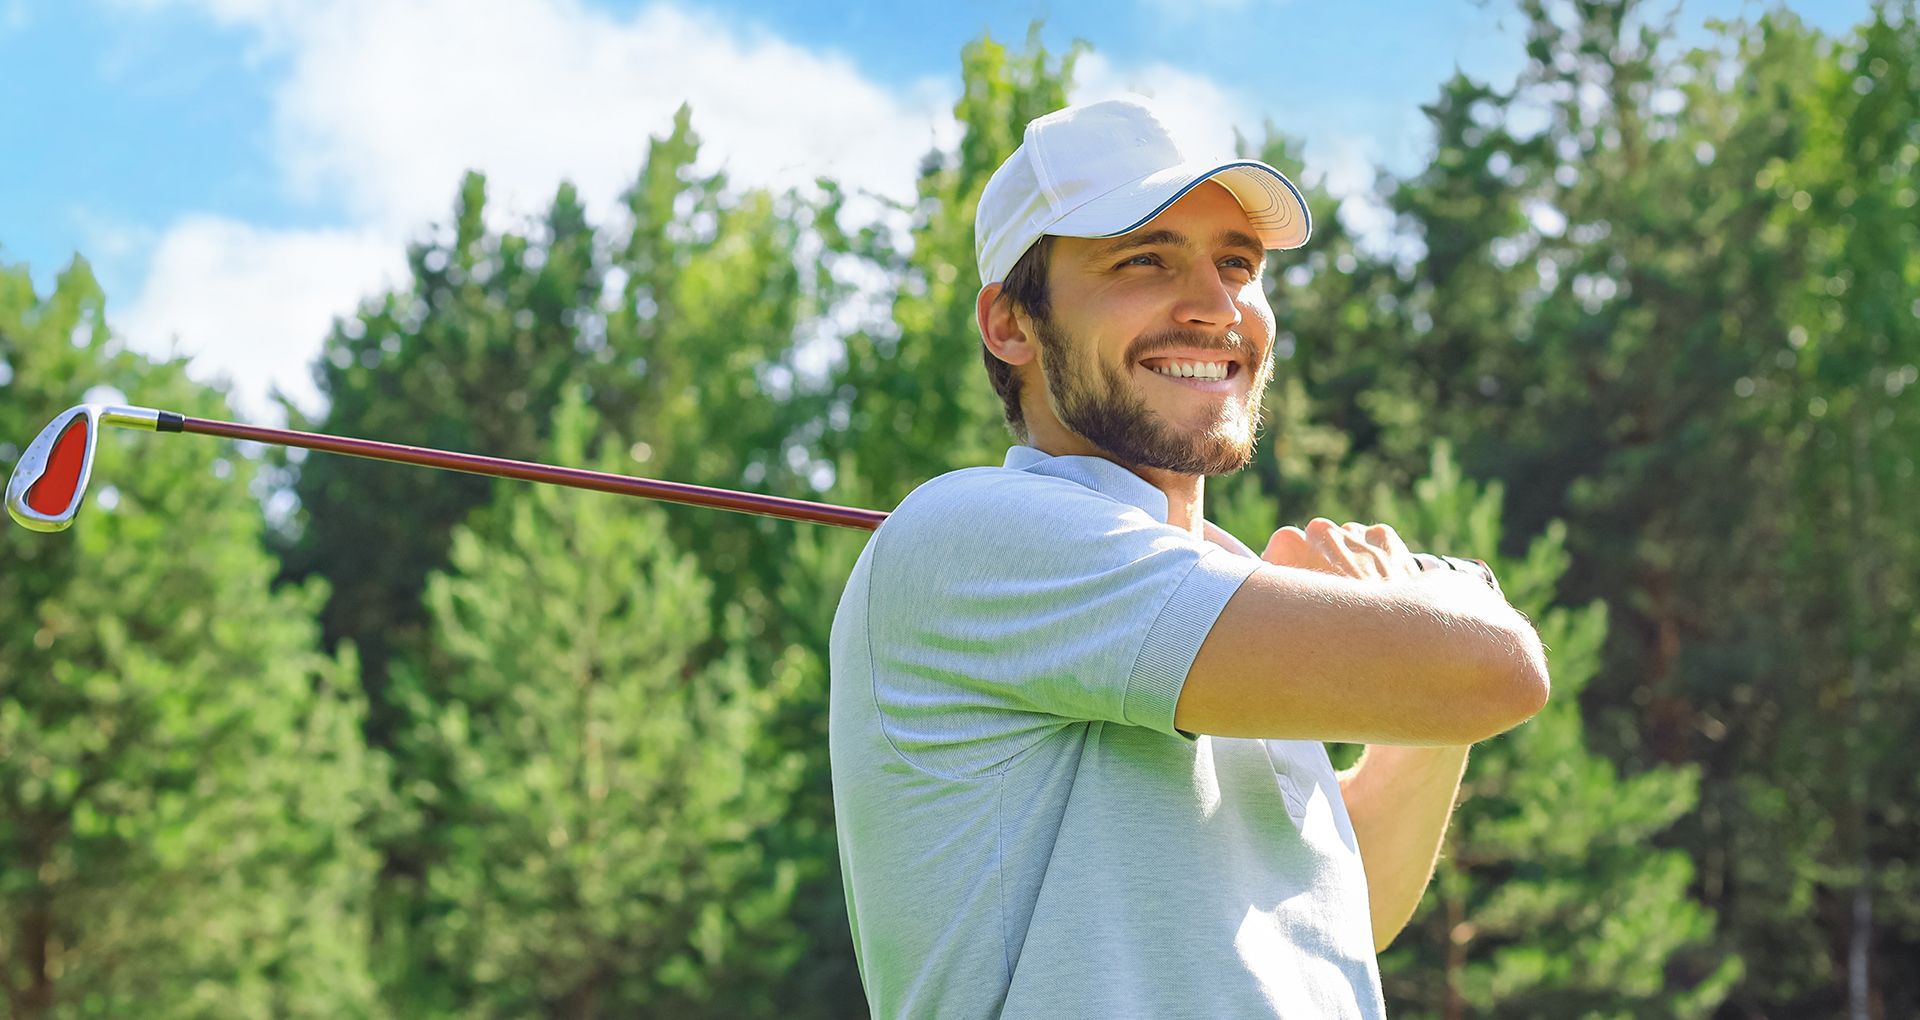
{"points": [[1399, 799]]}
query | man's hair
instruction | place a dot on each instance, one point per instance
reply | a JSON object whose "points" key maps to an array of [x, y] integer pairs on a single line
{"points": [[1026, 289]]}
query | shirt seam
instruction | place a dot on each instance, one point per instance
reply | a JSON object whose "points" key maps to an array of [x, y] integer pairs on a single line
{"points": [[1044, 177], [873, 671], [1000, 874]]}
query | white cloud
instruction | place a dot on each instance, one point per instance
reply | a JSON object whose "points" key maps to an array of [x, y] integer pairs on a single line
{"points": [[388, 102], [382, 104], [1198, 110], [250, 306], [378, 106]]}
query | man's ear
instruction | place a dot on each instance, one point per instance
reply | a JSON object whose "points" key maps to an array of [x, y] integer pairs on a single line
{"points": [[1006, 331]]}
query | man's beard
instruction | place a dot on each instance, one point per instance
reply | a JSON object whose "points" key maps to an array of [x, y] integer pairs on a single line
{"points": [[1097, 403]]}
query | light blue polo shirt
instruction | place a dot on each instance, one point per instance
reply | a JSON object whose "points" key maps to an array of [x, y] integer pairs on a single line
{"points": [[1022, 831]]}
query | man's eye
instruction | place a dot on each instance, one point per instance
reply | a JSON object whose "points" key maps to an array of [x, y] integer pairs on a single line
{"points": [[1142, 260]]}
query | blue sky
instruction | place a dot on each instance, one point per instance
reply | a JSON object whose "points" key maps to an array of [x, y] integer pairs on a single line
{"points": [[242, 171]]}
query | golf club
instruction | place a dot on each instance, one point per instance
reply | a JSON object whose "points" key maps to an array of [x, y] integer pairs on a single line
{"points": [[50, 480]]}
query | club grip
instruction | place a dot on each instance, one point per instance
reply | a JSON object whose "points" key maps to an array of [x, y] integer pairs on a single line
{"points": [[1478, 568]]}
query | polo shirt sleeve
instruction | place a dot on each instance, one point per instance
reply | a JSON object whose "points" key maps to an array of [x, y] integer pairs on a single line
{"points": [[1004, 604]]}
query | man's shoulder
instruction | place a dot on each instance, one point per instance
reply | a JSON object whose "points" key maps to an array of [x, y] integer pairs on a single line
{"points": [[985, 481], [996, 500]]}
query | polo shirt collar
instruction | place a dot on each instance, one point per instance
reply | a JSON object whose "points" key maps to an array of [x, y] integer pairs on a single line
{"points": [[1096, 473]]}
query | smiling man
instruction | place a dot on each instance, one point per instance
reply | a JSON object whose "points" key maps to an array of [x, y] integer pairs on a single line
{"points": [[1076, 728]]}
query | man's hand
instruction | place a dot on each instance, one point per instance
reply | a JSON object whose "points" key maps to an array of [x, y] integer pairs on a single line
{"points": [[1369, 553]]}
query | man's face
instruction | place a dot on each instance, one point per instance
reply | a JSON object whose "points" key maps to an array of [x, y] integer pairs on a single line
{"points": [[1182, 292]]}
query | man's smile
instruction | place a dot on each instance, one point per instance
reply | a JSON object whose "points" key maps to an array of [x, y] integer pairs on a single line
{"points": [[1209, 373]]}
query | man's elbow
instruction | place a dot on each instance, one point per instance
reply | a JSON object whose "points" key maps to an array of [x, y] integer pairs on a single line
{"points": [[1521, 677]]}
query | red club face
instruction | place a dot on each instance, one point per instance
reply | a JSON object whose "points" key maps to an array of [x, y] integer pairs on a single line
{"points": [[50, 478], [54, 492]]}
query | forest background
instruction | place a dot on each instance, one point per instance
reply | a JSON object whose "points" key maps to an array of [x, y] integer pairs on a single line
{"points": [[428, 745]]}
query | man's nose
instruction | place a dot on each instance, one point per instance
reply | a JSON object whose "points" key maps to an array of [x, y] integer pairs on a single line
{"points": [[1207, 300]]}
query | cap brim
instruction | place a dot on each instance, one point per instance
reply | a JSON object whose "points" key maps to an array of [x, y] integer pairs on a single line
{"points": [[1271, 202]]}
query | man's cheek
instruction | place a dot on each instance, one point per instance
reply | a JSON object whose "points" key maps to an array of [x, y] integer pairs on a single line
{"points": [[1258, 309]]}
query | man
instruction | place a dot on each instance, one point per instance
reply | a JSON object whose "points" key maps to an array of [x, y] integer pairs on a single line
{"points": [[1075, 728]]}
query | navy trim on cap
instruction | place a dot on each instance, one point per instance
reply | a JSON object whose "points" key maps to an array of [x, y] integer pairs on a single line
{"points": [[1210, 175]]}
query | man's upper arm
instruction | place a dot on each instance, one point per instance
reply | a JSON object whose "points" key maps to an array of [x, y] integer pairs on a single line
{"points": [[1298, 654], [1004, 604]]}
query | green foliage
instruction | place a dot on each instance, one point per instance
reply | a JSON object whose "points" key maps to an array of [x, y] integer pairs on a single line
{"points": [[470, 357], [595, 788], [913, 391], [185, 789], [1657, 303], [681, 321], [1675, 311], [673, 321]]}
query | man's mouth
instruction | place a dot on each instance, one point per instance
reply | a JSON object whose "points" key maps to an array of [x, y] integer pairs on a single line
{"points": [[1208, 376]]}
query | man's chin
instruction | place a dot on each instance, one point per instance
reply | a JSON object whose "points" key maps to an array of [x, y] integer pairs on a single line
{"points": [[1125, 424], [1220, 457], [1221, 450]]}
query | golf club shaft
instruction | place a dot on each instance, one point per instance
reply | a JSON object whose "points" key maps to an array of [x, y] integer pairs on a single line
{"points": [[54, 510], [499, 467]]}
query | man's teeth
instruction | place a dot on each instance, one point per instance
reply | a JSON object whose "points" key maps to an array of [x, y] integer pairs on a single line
{"points": [[1194, 369]]}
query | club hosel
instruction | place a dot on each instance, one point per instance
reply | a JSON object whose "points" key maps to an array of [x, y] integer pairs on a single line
{"points": [[147, 418]]}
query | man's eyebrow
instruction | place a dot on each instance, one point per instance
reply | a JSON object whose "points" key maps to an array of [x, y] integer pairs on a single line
{"points": [[1242, 239], [1129, 242], [1154, 238]]}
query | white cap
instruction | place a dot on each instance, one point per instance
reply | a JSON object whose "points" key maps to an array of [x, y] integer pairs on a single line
{"points": [[1104, 169]]}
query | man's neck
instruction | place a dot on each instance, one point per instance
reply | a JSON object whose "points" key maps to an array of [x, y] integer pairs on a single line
{"points": [[1186, 494], [1186, 497]]}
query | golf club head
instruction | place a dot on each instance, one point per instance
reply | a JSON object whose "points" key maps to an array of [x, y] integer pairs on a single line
{"points": [[50, 479]]}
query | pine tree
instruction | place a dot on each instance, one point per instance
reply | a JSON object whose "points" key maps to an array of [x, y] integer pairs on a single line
{"points": [[596, 788], [679, 317], [1697, 356], [1853, 559], [183, 786], [471, 356]]}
